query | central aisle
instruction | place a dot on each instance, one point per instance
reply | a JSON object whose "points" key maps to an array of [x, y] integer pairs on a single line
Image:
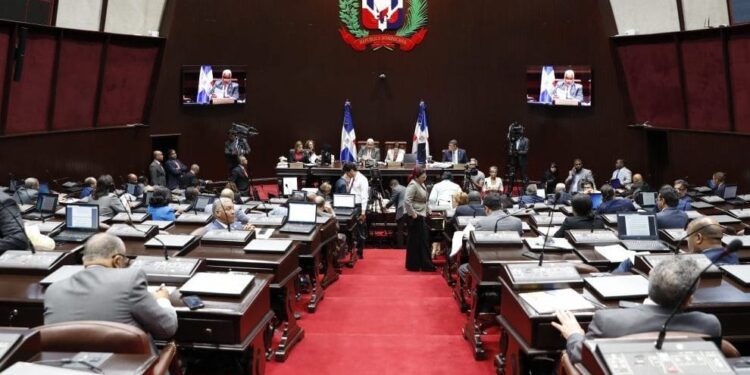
{"points": [[380, 319]]}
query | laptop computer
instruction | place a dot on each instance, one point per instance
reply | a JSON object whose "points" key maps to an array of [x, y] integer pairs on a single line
{"points": [[81, 222], [46, 205], [288, 185], [646, 199], [344, 204], [639, 233], [615, 183], [202, 201], [301, 218], [730, 195], [298, 196], [144, 202]]}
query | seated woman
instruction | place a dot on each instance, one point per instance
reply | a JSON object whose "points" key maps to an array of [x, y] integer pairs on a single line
{"points": [[105, 197], [469, 204], [310, 151], [158, 206], [492, 183], [583, 219], [612, 205], [298, 154]]}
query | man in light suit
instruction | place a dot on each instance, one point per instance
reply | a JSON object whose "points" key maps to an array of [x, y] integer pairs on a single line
{"points": [[669, 216], [395, 153], [623, 174], [454, 154], [156, 170], [369, 152], [224, 215], [398, 194], [667, 283], [28, 193], [240, 176], [568, 89], [12, 233], [225, 88], [577, 175], [107, 290]]}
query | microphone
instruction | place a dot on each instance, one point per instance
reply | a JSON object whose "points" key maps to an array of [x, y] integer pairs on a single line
{"points": [[509, 214], [129, 223], [221, 204], [677, 247], [731, 248], [546, 234], [23, 227]]}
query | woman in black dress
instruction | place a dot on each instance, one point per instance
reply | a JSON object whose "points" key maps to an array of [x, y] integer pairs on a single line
{"points": [[415, 203]]}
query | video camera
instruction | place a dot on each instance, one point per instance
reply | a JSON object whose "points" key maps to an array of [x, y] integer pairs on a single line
{"points": [[243, 130], [515, 131], [470, 171]]}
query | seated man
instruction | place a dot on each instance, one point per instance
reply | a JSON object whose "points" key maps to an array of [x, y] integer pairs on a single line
{"points": [[583, 219], [530, 197], [89, 184], [718, 183], [561, 197], [224, 215], [586, 187], [612, 205], [637, 187], [442, 192], [704, 236], [12, 233], [472, 208], [229, 194], [28, 193], [681, 186], [133, 179], [369, 152], [669, 216], [568, 88], [107, 290], [667, 284], [454, 154]]}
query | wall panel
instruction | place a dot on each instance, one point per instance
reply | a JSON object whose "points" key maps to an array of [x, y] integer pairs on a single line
{"points": [[78, 76], [705, 84]]}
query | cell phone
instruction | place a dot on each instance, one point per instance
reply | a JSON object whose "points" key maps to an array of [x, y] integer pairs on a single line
{"points": [[529, 254], [193, 302]]}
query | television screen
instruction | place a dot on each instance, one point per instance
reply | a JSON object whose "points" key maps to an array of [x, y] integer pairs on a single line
{"points": [[559, 85], [213, 84]]}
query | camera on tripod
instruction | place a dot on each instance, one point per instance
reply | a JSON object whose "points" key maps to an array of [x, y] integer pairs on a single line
{"points": [[470, 171], [515, 132]]}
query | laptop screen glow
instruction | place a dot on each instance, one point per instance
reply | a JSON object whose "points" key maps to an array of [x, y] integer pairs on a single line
{"points": [[730, 192], [302, 212], [82, 217], [343, 200], [649, 199], [289, 185], [636, 226], [47, 203], [202, 201]]}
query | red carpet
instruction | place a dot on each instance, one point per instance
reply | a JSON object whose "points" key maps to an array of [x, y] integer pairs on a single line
{"points": [[380, 319]]}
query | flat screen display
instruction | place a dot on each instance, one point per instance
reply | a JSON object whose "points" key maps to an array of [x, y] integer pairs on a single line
{"points": [[207, 85], [559, 85]]}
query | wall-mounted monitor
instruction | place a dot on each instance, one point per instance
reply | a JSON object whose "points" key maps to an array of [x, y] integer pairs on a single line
{"points": [[208, 85], [559, 85]]}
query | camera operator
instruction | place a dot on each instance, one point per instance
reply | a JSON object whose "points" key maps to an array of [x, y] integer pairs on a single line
{"points": [[518, 147], [236, 145], [473, 177]]}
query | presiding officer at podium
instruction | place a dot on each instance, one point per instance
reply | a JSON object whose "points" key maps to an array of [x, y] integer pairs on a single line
{"points": [[107, 290], [668, 283], [225, 88]]}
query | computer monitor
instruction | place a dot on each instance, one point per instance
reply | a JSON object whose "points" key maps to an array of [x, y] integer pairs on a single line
{"points": [[202, 201], [288, 185], [302, 212], [298, 196], [47, 203], [82, 216], [646, 199], [44, 188], [596, 200], [730, 191], [541, 193], [410, 158], [637, 227], [343, 201]]}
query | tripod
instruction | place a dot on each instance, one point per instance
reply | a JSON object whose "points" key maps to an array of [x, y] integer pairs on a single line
{"points": [[510, 171], [377, 193]]}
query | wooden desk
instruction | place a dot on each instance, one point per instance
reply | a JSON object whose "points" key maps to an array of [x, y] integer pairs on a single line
{"points": [[21, 300], [334, 172], [284, 269]]}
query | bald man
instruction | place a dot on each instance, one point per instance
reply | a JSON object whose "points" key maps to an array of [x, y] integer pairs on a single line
{"points": [[225, 87], [156, 170], [369, 152], [704, 236], [224, 215], [567, 88]]}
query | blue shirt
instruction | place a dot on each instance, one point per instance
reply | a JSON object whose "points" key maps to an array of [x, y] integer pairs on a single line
{"points": [[615, 206], [161, 213], [684, 204], [529, 200], [85, 192]]}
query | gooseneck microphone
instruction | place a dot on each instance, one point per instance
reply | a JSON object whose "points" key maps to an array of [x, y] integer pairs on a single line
{"points": [[546, 234], [731, 248]]}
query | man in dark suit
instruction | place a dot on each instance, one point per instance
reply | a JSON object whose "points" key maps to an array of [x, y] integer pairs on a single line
{"points": [[718, 183], [156, 170], [107, 290], [668, 282], [530, 197], [224, 87], [583, 218], [454, 154], [669, 216], [240, 176], [398, 194], [12, 233], [191, 177], [612, 205], [561, 197], [175, 170]]}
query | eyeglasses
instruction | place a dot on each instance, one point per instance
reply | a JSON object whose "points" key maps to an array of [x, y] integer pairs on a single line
{"points": [[125, 259]]}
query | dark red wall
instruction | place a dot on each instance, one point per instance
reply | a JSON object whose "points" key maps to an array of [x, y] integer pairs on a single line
{"points": [[470, 70]]}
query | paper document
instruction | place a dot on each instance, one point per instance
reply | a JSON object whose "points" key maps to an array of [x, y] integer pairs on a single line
{"points": [[615, 253], [559, 299], [537, 243], [154, 288], [458, 238]]}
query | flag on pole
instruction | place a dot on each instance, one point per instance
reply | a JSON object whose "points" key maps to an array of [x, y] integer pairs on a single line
{"points": [[547, 86], [348, 138], [421, 139], [205, 80]]}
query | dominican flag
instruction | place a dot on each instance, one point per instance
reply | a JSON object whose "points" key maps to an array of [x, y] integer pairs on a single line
{"points": [[548, 84], [348, 139], [205, 80], [421, 139]]}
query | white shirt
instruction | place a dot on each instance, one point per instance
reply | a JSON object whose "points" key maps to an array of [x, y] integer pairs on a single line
{"points": [[455, 156], [442, 192], [490, 186], [624, 175], [399, 155], [360, 188]]}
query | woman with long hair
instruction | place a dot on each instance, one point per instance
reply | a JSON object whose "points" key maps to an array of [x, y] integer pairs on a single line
{"points": [[418, 244], [105, 197]]}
